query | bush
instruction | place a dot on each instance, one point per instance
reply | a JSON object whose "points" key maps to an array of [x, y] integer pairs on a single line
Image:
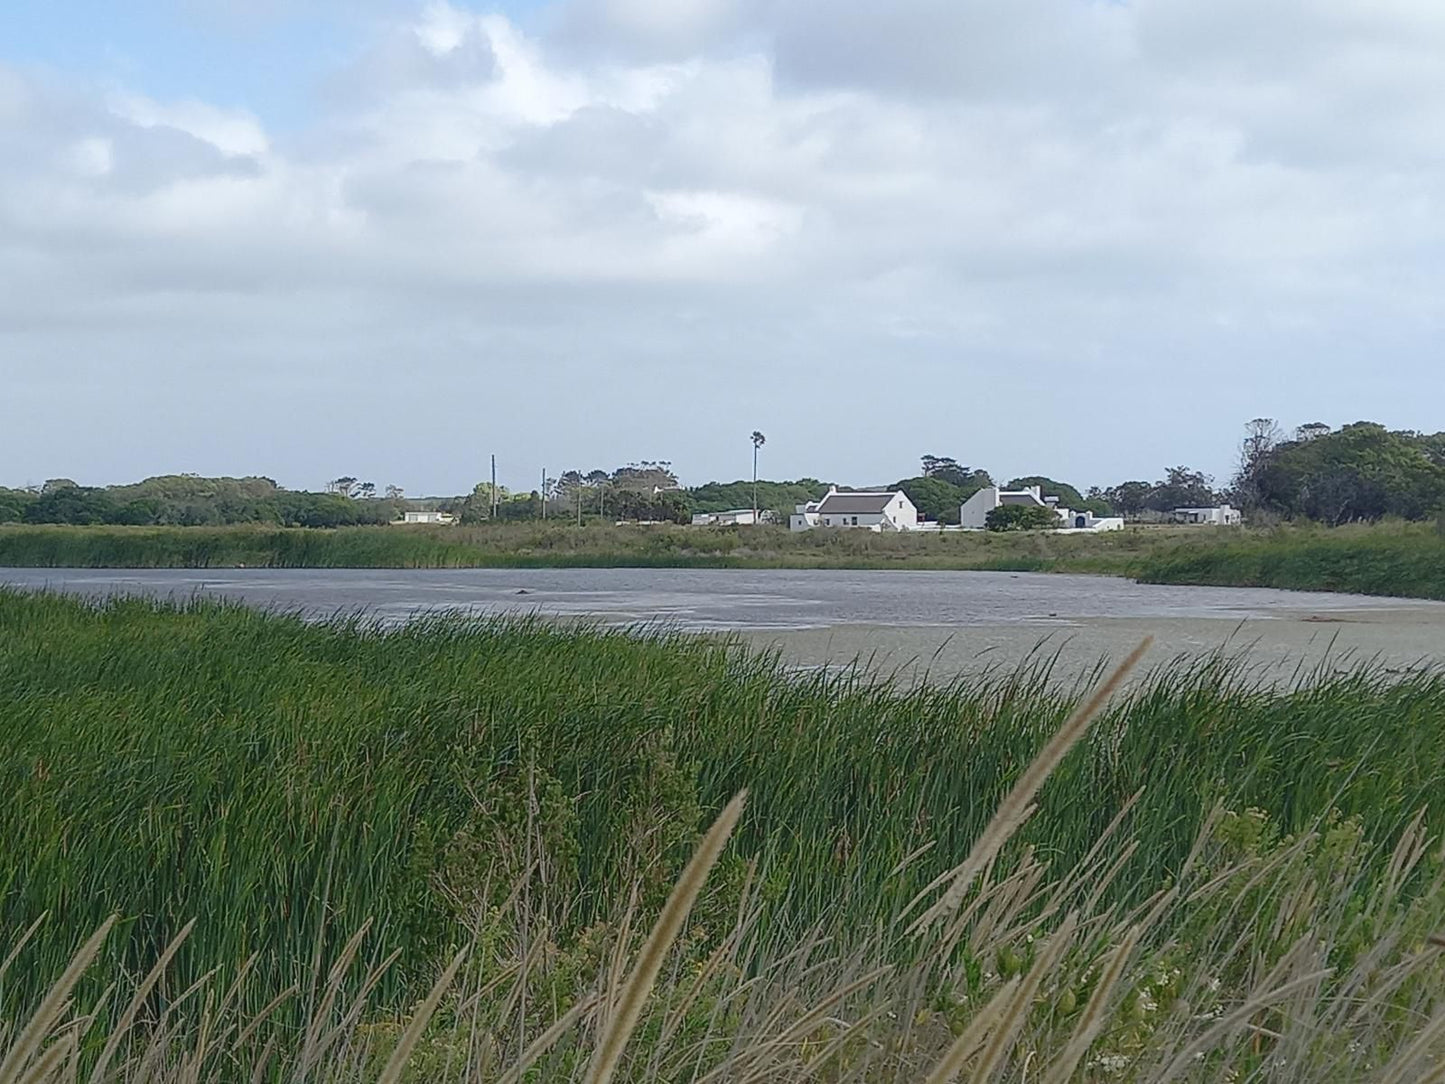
{"points": [[1021, 517]]}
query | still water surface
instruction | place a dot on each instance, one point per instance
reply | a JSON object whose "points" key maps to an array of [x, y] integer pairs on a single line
{"points": [[716, 600]]}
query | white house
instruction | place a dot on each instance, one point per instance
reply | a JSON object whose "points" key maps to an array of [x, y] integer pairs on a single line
{"points": [[427, 516], [1223, 516], [730, 518], [870, 511], [1087, 521], [973, 514]]}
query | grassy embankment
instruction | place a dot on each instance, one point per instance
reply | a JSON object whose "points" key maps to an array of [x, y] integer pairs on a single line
{"points": [[532, 792], [1390, 559]]}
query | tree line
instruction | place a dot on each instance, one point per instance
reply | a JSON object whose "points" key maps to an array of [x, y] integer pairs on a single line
{"points": [[1361, 471], [187, 500]]}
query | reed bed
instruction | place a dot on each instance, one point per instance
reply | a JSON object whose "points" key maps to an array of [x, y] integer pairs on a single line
{"points": [[1399, 559], [303, 827]]}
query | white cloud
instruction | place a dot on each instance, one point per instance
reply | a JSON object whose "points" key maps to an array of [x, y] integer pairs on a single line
{"points": [[229, 131], [633, 217]]}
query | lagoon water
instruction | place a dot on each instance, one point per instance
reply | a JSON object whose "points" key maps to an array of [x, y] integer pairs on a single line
{"points": [[946, 622]]}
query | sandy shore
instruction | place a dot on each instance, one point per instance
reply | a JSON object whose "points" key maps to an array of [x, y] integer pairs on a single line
{"points": [[1277, 648]]}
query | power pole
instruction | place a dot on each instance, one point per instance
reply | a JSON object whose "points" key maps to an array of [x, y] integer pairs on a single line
{"points": [[579, 499], [543, 492], [494, 488]]}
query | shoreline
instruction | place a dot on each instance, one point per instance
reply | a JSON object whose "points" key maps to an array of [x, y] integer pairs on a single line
{"points": [[1276, 649], [935, 628], [1389, 560]]}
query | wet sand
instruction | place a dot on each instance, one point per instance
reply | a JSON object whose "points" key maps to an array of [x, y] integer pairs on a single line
{"points": [[911, 624], [1277, 650]]}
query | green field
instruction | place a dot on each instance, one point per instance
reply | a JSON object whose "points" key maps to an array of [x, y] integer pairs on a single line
{"points": [[1405, 560], [532, 792]]}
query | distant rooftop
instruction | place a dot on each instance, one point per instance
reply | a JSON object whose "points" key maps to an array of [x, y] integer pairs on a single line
{"points": [[865, 503], [1019, 496]]}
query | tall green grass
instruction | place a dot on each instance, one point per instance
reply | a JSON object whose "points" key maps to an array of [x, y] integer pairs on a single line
{"points": [[200, 760], [1391, 559], [558, 544], [284, 782], [1406, 560]]}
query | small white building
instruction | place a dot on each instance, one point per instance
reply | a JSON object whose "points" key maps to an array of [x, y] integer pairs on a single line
{"points": [[1222, 516], [731, 518], [428, 516], [973, 514], [869, 511], [1087, 521]]}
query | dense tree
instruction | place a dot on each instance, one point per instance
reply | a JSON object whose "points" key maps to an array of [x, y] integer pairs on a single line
{"points": [[942, 487], [644, 477], [948, 469], [667, 507], [1020, 517], [79, 505], [777, 497], [1068, 496], [345, 486], [1129, 498], [476, 507], [13, 503], [1182, 488], [1261, 437], [933, 497], [1360, 472]]}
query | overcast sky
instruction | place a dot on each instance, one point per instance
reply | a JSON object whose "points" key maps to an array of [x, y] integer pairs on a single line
{"points": [[386, 239]]}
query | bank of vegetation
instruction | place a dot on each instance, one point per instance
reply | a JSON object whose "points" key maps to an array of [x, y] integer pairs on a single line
{"points": [[1393, 558], [1222, 881]]}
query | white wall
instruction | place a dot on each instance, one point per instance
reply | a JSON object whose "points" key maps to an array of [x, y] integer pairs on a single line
{"points": [[901, 513], [974, 511]]}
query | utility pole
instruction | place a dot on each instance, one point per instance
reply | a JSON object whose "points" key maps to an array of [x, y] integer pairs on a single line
{"points": [[543, 493], [758, 441], [579, 499], [494, 488]]}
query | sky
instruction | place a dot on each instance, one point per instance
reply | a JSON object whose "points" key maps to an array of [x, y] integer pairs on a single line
{"points": [[381, 238]]}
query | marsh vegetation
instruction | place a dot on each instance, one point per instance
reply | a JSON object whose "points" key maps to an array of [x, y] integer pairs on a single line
{"points": [[1219, 882]]}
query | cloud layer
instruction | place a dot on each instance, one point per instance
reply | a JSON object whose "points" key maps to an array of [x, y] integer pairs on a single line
{"points": [[1062, 236]]}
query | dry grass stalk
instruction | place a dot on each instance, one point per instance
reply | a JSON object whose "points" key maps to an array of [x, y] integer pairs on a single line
{"points": [[1012, 811], [1095, 1012], [127, 1018], [51, 1008], [46, 1066], [1185, 1058], [1402, 1068], [545, 1041], [1023, 999], [311, 1049], [628, 1004], [971, 1040], [397, 1062], [799, 1030], [20, 944]]}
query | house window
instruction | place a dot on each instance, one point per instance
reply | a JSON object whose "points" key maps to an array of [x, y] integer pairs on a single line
{"points": [[855, 521]]}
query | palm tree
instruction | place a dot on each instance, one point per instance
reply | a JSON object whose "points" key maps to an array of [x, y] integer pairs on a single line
{"points": [[758, 441]]}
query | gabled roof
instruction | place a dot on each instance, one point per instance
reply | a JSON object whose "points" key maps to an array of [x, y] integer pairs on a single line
{"points": [[1019, 496], [855, 503]]}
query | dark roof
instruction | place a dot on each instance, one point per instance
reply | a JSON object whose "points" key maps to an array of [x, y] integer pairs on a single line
{"points": [[869, 503], [1019, 498]]}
